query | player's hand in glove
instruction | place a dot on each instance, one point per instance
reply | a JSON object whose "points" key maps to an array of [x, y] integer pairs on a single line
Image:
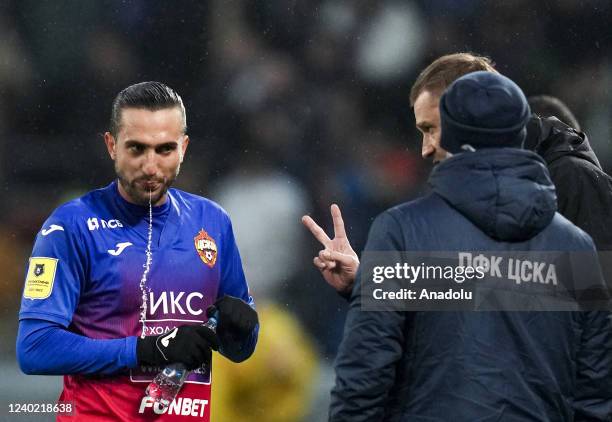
{"points": [[190, 345], [235, 318]]}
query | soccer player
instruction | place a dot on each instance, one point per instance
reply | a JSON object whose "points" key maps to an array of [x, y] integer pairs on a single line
{"points": [[120, 280]]}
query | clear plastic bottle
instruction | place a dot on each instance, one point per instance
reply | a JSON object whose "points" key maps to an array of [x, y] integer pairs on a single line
{"points": [[167, 384]]}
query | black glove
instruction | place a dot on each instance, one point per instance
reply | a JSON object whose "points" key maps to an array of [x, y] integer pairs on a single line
{"points": [[235, 318], [189, 344]]}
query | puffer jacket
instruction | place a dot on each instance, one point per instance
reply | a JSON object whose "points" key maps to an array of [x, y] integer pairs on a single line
{"points": [[476, 366], [584, 190]]}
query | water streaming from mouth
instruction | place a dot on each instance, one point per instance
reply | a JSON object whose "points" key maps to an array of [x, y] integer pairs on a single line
{"points": [[147, 266]]}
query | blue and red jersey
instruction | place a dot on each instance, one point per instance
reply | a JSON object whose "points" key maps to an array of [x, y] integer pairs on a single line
{"points": [[85, 275]]}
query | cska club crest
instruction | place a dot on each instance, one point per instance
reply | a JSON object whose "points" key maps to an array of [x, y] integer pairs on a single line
{"points": [[206, 247]]}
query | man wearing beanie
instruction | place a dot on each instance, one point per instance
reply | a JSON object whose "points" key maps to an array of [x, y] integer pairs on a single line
{"points": [[488, 194], [483, 110]]}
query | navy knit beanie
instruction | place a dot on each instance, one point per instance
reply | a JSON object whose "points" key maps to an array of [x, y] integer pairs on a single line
{"points": [[484, 110]]}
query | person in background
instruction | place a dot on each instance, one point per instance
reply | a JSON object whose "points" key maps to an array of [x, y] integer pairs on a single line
{"points": [[277, 383], [584, 190], [549, 106]]}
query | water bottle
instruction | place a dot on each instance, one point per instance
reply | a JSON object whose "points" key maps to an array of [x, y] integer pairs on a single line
{"points": [[167, 384]]}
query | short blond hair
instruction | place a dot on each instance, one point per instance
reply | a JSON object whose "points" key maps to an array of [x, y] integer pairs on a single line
{"points": [[445, 70]]}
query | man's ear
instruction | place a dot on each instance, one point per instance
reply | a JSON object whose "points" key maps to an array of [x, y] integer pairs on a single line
{"points": [[183, 148], [111, 145]]}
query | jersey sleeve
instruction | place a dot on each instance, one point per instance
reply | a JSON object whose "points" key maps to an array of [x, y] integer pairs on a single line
{"points": [[46, 348], [55, 273], [233, 283]]}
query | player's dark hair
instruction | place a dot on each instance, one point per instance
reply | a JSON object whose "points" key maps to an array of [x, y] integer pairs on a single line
{"points": [[445, 70], [145, 95], [547, 106]]}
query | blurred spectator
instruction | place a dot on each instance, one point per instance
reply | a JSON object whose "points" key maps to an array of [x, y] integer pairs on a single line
{"points": [[265, 207], [392, 44], [547, 106], [277, 383]]}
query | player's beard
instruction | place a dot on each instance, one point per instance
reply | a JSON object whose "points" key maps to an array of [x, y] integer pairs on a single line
{"points": [[140, 195]]}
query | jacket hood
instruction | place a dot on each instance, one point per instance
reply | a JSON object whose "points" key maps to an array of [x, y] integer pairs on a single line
{"points": [[553, 139], [506, 192]]}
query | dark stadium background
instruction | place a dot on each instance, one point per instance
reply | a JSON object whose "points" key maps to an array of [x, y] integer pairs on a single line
{"points": [[291, 105]]}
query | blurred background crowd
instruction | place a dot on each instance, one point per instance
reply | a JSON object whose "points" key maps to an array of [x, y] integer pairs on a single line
{"points": [[291, 105]]}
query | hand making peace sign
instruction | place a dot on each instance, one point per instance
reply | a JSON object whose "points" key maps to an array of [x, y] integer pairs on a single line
{"points": [[338, 262]]}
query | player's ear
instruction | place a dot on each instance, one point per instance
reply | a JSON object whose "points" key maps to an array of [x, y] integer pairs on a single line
{"points": [[183, 147], [111, 145]]}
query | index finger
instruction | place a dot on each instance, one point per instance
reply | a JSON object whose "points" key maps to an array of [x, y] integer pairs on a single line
{"points": [[338, 222], [316, 231]]}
